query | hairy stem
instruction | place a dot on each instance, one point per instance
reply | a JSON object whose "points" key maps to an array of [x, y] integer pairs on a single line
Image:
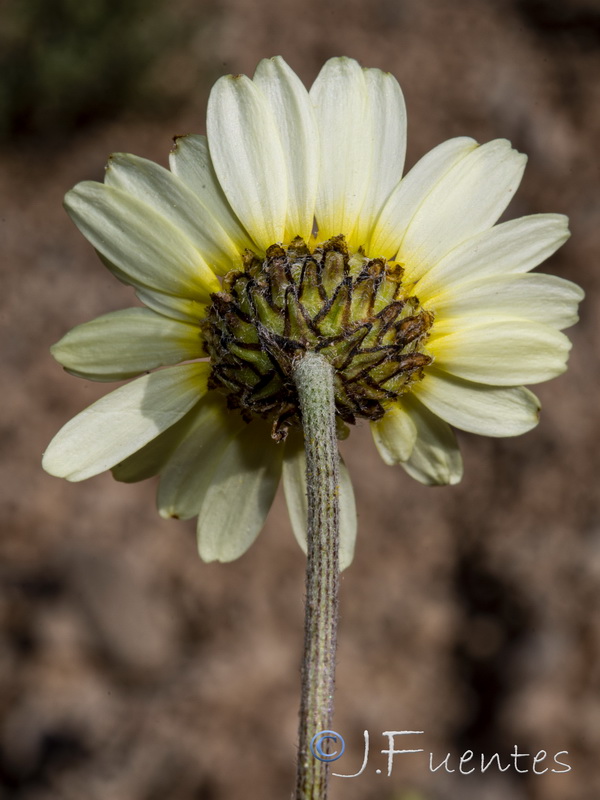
{"points": [[314, 382]]}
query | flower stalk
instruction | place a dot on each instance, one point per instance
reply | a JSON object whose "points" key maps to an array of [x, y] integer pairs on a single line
{"points": [[314, 381]]}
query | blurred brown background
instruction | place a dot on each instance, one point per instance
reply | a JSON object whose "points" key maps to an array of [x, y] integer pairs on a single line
{"points": [[129, 670]]}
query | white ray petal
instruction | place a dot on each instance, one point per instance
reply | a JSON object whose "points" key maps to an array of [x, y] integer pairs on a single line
{"points": [[512, 247], [143, 244], [248, 158], [187, 477], [477, 408], [173, 199], [540, 298], [123, 344], [295, 120], [152, 458], [469, 199], [435, 459], [387, 113], [395, 434], [190, 160], [118, 425], [504, 352], [341, 104], [406, 199], [180, 308], [240, 495]]}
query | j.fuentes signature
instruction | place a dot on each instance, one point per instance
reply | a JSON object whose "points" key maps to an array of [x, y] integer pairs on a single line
{"points": [[329, 746]]}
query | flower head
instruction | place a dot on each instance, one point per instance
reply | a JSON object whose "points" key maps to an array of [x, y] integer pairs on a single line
{"points": [[290, 228]]}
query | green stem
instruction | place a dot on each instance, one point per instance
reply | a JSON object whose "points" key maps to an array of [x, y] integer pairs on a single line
{"points": [[314, 382]]}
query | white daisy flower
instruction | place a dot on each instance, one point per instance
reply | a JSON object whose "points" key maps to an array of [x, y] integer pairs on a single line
{"points": [[290, 228]]}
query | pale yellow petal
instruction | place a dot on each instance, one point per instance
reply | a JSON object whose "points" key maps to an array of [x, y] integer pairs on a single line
{"points": [[118, 425]]}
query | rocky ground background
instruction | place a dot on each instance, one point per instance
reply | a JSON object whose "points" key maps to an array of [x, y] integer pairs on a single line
{"points": [[129, 670]]}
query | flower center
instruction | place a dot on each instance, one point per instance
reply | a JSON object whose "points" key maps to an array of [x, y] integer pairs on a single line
{"points": [[349, 308]]}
